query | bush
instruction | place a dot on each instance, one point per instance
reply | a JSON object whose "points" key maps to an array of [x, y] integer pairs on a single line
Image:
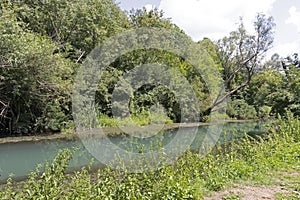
{"points": [[239, 109], [264, 111], [142, 119]]}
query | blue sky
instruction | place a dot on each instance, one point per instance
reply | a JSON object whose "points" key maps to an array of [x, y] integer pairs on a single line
{"points": [[215, 18]]}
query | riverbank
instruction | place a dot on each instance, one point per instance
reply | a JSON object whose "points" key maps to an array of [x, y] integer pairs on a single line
{"points": [[110, 131], [14, 159], [256, 165]]}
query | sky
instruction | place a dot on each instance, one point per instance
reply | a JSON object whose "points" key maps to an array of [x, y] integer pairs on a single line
{"points": [[215, 19]]}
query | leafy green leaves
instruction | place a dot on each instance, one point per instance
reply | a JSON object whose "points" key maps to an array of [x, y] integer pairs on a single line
{"points": [[34, 79], [76, 26]]}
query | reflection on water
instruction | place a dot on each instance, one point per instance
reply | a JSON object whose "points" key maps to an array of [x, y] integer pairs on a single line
{"points": [[21, 158]]}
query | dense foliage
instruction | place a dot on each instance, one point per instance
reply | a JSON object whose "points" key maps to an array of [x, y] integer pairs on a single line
{"points": [[35, 83], [44, 43]]}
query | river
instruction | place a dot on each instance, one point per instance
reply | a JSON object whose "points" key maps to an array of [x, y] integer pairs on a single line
{"points": [[19, 159]]}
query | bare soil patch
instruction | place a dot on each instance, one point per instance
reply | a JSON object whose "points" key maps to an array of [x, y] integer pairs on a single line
{"points": [[283, 183], [249, 193]]}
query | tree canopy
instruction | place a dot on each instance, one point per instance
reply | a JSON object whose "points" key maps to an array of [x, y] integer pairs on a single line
{"points": [[44, 43]]}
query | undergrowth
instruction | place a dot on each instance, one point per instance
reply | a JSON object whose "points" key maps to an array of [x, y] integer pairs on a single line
{"points": [[190, 177], [142, 119]]}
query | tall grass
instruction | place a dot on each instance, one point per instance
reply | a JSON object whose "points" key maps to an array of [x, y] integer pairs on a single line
{"points": [[141, 119], [190, 177]]}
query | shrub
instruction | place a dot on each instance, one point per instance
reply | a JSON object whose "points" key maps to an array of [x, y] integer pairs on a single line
{"points": [[241, 110], [141, 119], [264, 111]]}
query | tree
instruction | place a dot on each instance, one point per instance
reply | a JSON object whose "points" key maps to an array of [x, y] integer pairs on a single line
{"points": [[153, 18], [291, 66], [278, 86], [76, 26], [269, 89], [36, 37], [150, 95], [241, 55], [35, 84]]}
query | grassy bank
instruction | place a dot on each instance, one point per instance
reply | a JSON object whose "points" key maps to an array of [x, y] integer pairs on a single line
{"points": [[112, 127], [192, 176]]}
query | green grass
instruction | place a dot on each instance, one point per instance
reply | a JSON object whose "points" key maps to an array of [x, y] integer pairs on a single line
{"points": [[192, 176], [291, 181], [141, 119]]}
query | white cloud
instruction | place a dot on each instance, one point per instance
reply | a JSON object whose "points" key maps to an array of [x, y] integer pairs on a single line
{"points": [[149, 7], [213, 18], [285, 49], [294, 18]]}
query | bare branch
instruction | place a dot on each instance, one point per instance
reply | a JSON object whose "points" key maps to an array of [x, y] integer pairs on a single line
{"points": [[229, 94], [79, 58]]}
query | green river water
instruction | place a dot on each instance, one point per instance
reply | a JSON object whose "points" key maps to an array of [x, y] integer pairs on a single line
{"points": [[19, 159]]}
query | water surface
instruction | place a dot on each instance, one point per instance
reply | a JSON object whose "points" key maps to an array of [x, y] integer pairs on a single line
{"points": [[19, 159]]}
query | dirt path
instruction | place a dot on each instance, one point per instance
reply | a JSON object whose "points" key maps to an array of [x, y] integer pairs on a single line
{"points": [[284, 183], [249, 193]]}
